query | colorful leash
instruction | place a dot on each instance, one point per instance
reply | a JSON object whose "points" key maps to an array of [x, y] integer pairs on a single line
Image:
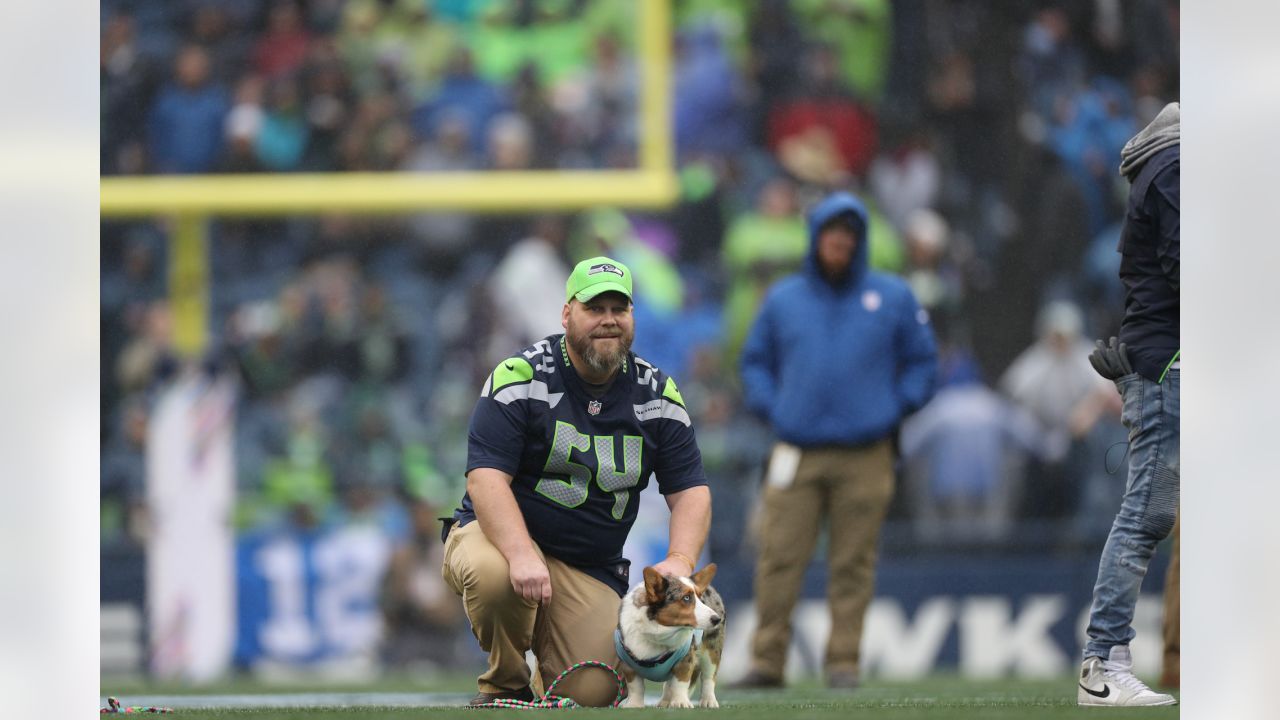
{"points": [[550, 700], [113, 706]]}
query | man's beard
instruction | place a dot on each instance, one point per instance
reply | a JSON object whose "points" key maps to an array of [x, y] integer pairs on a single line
{"points": [[601, 362]]}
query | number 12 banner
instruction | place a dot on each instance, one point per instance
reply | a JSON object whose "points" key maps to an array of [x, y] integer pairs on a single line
{"points": [[310, 598]]}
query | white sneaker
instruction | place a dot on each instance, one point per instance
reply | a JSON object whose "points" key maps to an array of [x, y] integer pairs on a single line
{"points": [[1111, 683]]}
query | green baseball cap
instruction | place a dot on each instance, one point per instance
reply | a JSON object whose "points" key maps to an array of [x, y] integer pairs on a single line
{"points": [[597, 275]]}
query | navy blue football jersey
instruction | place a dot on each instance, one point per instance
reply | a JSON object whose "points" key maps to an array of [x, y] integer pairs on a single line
{"points": [[579, 462]]}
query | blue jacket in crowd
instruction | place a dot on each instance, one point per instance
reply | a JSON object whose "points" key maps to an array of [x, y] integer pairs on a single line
{"points": [[842, 363], [186, 129]]}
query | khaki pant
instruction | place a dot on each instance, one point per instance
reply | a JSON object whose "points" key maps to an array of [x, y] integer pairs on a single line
{"points": [[851, 488], [576, 625], [1171, 670]]}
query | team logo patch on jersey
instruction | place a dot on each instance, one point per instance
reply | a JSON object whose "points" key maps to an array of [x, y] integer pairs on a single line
{"points": [[593, 407], [871, 300], [605, 267]]}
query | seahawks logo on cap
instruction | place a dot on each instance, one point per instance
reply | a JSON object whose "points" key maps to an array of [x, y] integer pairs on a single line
{"points": [[605, 267]]}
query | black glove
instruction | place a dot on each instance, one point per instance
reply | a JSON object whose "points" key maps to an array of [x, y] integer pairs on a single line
{"points": [[1111, 361]]}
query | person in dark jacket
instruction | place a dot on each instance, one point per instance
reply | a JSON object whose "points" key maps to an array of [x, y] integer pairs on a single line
{"points": [[1144, 365], [837, 357]]}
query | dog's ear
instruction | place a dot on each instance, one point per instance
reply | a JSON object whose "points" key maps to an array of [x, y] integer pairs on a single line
{"points": [[702, 578], [655, 586]]}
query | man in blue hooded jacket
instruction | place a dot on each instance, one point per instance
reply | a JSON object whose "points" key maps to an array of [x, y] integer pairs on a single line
{"points": [[839, 355]]}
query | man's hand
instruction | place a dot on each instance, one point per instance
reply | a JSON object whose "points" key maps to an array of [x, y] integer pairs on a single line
{"points": [[1111, 361], [673, 566], [530, 578]]}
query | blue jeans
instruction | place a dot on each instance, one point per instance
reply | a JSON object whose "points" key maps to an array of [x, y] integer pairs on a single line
{"points": [[1147, 513]]}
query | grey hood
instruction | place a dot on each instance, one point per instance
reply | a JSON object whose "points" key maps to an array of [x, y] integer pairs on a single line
{"points": [[1163, 132]]}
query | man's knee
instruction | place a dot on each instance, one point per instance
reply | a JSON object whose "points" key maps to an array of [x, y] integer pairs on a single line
{"points": [[1159, 522], [490, 585], [485, 577], [1162, 508]]}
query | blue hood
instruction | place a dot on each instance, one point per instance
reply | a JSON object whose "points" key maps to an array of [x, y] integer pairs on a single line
{"points": [[833, 206]]}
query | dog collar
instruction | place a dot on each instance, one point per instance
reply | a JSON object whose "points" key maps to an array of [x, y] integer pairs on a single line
{"points": [[657, 669]]}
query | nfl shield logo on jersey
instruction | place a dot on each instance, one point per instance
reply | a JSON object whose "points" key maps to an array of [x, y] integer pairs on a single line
{"points": [[593, 407]]}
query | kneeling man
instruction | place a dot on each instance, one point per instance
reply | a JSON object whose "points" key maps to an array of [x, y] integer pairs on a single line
{"points": [[564, 436]]}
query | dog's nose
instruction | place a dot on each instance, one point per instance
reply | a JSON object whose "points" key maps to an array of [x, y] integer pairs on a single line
{"points": [[715, 620]]}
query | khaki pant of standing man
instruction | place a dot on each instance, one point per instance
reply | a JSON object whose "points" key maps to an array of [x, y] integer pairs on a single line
{"points": [[576, 625], [851, 488], [1171, 669]]}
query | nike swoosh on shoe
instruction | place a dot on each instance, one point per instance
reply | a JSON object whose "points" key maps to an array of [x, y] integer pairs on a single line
{"points": [[1106, 691]]}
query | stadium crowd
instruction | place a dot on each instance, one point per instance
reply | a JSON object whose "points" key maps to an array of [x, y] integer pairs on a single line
{"points": [[984, 138]]}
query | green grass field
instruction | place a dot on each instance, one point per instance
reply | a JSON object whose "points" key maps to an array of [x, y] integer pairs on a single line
{"points": [[939, 698]]}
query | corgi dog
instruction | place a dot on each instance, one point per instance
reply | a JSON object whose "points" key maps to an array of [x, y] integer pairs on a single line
{"points": [[671, 629]]}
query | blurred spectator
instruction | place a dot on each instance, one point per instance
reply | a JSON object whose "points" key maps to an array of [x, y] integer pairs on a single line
{"points": [[1094, 460], [462, 95], [383, 348], [284, 134], [528, 283], [1036, 265], [972, 102], [282, 49], [244, 126], [884, 241], [609, 231], [123, 470], [140, 275], [934, 280], [1099, 281], [531, 105], [127, 82], [1052, 376], [213, 28], [149, 355], [511, 143], [263, 354], [761, 247], [906, 177], [444, 236], [822, 133], [1052, 63], [415, 43], [860, 31], [697, 222], [424, 620], [448, 149], [357, 44], [329, 101], [185, 127], [965, 457], [708, 95], [776, 45], [1158, 42], [1087, 130], [369, 473], [299, 482], [734, 447], [599, 114], [378, 138], [1051, 379]]}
